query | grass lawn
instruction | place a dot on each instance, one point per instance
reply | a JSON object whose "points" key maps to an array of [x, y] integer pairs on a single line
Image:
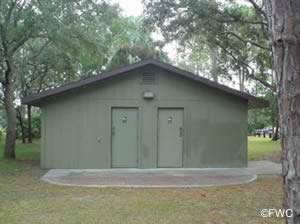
{"points": [[260, 148], [26, 153], [26, 199]]}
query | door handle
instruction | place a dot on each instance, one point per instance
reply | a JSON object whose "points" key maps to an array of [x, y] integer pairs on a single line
{"points": [[180, 132]]}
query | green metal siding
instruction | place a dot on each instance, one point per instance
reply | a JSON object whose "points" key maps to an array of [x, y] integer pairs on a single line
{"points": [[215, 123], [170, 137], [124, 137]]}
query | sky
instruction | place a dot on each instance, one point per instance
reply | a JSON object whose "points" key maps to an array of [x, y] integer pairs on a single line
{"points": [[130, 7]]}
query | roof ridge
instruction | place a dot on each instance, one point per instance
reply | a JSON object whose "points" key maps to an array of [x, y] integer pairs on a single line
{"points": [[34, 99]]}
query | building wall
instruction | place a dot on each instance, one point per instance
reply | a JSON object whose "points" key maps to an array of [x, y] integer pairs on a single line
{"points": [[215, 123]]}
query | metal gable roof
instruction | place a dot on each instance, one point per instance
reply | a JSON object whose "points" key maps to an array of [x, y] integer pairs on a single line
{"points": [[36, 99]]}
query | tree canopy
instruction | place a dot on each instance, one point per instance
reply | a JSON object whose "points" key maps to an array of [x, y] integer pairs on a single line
{"points": [[44, 44], [238, 32]]}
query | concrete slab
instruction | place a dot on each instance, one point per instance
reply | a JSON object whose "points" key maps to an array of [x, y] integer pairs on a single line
{"points": [[160, 177], [149, 178], [264, 167]]}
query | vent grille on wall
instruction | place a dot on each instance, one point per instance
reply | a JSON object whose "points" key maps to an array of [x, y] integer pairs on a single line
{"points": [[149, 78]]}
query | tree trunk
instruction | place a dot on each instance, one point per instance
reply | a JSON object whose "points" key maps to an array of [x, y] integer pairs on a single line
{"points": [[20, 119], [10, 140], [29, 124], [284, 29]]}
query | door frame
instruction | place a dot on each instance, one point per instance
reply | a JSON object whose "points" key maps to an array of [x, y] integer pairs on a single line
{"points": [[137, 137], [157, 135]]}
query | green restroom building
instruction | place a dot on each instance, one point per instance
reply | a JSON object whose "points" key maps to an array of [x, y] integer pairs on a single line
{"points": [[145, 115]]}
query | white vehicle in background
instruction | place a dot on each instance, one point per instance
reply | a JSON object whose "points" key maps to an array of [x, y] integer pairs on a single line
{"points": [[258, 132], [264, 132]]}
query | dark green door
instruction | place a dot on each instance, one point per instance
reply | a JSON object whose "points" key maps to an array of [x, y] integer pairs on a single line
{"points": [[170, 137], [124, 137]]}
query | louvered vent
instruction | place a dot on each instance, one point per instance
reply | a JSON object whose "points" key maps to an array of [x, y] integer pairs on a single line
{"points": [[149, 78]]}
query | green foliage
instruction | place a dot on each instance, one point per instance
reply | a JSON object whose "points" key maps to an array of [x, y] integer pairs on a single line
{"points": [[2, 133], [35, 125], [196, 60], [2, 117], [266, 117], [237, 31], [80, 38], [50, 43], [60, 41], [74, 41], [132, 43], [258, 119]]}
